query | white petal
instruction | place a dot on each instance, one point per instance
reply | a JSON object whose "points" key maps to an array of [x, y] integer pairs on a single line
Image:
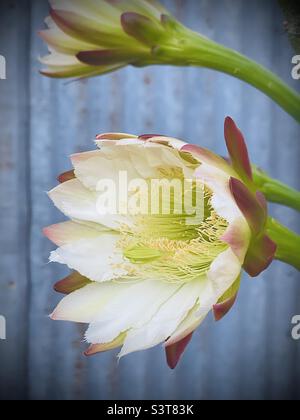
{"points": [[98, 258], [225, 205], [185, 310], [222, 201], [100, 9], [134, 307], [62, 42], [83, 304], [127, 140], [60, 59], [169, 141], [223, 272], [187, 326], [90, 168], [165, 321], [67, 232], [220, 279], [77, 202], [148, 163]]}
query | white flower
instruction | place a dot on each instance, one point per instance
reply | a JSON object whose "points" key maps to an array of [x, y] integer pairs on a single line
{"points": [[145, 279]]}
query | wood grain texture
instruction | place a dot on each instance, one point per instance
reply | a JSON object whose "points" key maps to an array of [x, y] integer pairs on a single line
{"points": [[250, 353]]}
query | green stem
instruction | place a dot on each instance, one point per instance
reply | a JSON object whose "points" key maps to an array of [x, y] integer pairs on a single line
{"points": [[288, 243], [187, 48], [276, 191]]}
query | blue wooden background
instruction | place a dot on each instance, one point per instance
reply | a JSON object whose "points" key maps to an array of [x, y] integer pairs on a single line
{"points": [[250, 354]]}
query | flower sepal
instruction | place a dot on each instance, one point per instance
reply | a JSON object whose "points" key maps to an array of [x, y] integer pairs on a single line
{"points": [[262, 249], [176, 350], [227, 301]]}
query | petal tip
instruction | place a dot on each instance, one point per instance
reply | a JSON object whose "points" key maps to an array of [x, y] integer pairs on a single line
{"points": [[176, 350], [90, 351], [222, 309], [237, 149], [53, 316], [66, 176]]}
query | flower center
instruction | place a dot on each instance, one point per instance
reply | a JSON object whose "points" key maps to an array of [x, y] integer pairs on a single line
{"points": [[179, 246]]}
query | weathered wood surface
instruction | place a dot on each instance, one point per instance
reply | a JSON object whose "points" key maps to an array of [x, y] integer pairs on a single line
{"points": [[250, 354]]}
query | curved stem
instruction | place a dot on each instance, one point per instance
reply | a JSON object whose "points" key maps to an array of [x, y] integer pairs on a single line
{"points": [[276, 191], [288, 243], [188, 48]]}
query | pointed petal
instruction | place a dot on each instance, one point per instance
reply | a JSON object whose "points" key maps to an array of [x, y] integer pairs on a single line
{"points": [[84, 304], [115, 136], [60, 41], [164, 140], [75, 201], [80, 203], [222, 283], [144, 298], [249, 205], [147, 164], [62, 65], [98, 259], [68, 232], [89, 30], [259, 256], [99, 9], [78, 72], [175, 351], [165, 321], [100, 348], [237, 149], [66, 176], [71, 283], [223, 274], [226, 302], [92, 168], [221, 309]]}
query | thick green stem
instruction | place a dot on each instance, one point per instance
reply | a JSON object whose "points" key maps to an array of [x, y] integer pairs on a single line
{"points": [[275, 191], [288, 243], [188, 48]]}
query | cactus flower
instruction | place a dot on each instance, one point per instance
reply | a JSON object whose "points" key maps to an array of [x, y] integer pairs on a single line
{"points": [[93, 37], [141, 279]]}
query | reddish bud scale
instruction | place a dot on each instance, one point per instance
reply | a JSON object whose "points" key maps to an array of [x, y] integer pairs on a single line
{"points": [[175, 351], [237, 150]]}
